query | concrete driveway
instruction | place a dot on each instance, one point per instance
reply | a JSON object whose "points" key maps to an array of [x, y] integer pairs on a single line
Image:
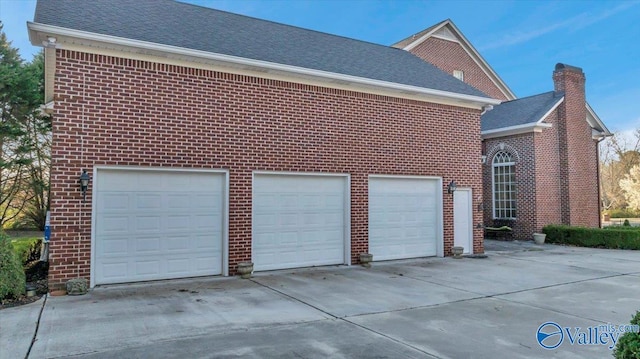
{"points": [[423, 308]]}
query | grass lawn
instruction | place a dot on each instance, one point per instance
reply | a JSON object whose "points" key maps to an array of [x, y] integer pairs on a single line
{"points": [[619, 221]]}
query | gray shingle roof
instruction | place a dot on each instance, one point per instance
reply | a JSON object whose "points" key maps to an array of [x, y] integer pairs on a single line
{"points": [[521, 111], [188, 26]]}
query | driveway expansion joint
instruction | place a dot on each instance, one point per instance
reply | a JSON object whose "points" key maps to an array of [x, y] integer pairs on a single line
{"points": [[296, 299], [35, 332]]}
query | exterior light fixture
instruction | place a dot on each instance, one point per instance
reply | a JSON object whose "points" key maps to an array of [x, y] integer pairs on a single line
{"points": [[452, 186], [84, 184]]}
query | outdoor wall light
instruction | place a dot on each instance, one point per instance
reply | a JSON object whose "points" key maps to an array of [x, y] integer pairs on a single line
{"points": [[84, 184], [452, 186]]}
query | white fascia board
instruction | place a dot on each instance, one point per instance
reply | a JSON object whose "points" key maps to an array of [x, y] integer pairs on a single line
{"points": [[597, 135], [540, 121], [515, 130], [595, 122], [421, 39], [474, 54], [37, 32]]}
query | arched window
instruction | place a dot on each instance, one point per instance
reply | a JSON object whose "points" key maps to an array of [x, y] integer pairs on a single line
{"points": [[504, 186]]}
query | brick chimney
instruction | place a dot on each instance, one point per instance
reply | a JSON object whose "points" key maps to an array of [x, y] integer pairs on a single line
{"points": [[577, 151]]}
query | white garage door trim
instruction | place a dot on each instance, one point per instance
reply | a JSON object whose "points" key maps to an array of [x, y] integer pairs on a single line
{"points": [[95, 182], [347, 206], [439, 206]]}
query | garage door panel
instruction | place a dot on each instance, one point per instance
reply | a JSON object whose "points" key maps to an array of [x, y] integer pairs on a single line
{"points": [[178, 265], [298, 221], [403, 217], [157, 225], [149, 245]]}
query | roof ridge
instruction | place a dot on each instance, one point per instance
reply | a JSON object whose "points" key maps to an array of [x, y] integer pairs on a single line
{"points": [[560, 93], [283, 24], [421, 32]]}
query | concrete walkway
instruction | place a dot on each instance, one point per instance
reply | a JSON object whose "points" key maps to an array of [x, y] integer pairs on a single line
{"points": [[423, 308]]}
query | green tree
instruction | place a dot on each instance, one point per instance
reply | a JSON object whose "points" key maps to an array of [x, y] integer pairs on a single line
{"points": [[24, 134], [618, 154], [630, 185]]}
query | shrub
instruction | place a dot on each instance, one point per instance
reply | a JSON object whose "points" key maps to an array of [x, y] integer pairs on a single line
{"points": [[27, 249], [615, 238], [628, 346], [626, 223], [623, 213], [12, 280]]}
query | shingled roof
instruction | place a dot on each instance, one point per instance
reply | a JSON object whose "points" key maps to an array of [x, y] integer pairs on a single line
{"points": [[193, 27], [526, 110]]}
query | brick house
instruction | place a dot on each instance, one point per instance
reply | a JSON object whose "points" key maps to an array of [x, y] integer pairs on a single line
{"points": [[212, 138], [540, 152]]}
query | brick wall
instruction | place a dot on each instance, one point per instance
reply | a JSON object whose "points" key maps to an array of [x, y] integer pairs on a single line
{"points": [[114, 111], [578, 151], [522, 151], [558, 170], [547, 174], [448, 56]]}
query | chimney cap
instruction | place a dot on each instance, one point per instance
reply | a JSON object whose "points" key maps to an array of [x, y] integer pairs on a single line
{"points": [[563, 67]]}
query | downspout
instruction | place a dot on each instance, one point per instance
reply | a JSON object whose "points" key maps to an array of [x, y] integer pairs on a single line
{"points": [[486, 108]]}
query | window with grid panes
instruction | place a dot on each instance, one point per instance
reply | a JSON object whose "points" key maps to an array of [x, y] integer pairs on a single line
{"points": [[504, 186]]}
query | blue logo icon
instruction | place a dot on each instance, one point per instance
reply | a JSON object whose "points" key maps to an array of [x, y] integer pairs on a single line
{"points": [[550, 335]]}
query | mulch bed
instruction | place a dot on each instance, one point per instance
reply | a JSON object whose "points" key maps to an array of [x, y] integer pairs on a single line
{"points": [[36, 274]]}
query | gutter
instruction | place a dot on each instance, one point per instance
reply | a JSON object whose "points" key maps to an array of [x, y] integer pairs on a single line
{"points": [[39, 33], [515, 130]]}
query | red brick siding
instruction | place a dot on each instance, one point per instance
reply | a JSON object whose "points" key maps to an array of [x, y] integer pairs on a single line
{"points": [[521, 149], [113, 111], [547, 175], [579, 159], [448, 56]]}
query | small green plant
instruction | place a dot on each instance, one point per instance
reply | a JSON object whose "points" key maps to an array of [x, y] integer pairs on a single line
{"points": [[628, 346], [12, 279], [27, 249], [626, 223]]}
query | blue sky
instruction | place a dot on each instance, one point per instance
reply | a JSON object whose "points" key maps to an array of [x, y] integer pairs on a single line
{"points": [[521, 40]]}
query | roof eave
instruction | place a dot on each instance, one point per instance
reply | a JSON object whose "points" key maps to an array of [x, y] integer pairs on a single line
{"points": [[39, 32], [596, 123], [515, 130]]}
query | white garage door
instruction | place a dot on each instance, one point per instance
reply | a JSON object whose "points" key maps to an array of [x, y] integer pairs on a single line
{"points": [[157, 225], [404, 217], [298, 221]]}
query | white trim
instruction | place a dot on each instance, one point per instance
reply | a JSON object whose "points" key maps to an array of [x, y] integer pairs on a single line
{"points": [[347, 204], [440, 206], [89, 39], [515, 130], [596, 123], [445, 38], [225, 211], [47, 108], [473, 53], [553, 108]]}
